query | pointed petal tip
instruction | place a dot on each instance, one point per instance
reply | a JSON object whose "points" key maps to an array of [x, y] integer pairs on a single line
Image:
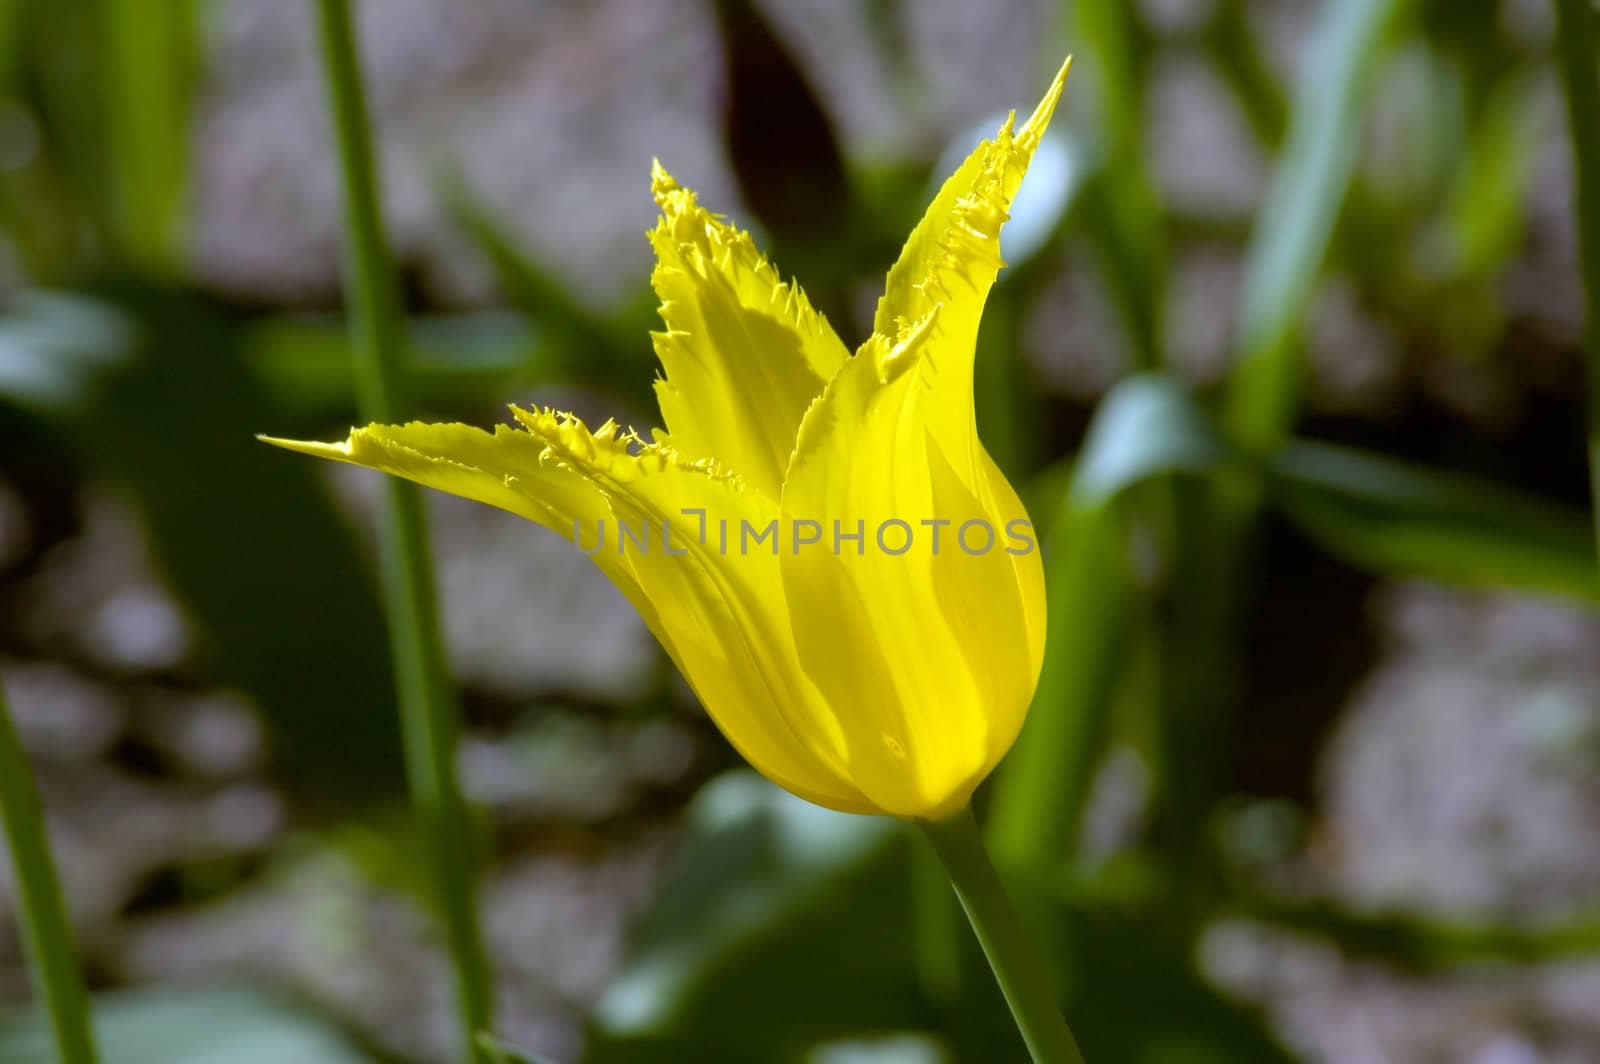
{"points": [[1040, 118], [311, 447], [662, 184]]}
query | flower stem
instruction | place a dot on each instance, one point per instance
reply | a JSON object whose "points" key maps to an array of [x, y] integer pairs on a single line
{"points": [[1575, 46], [427, 710], [53, 964], [1017, 968]]}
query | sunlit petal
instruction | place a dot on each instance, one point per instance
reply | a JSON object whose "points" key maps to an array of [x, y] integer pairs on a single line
{"points": [[744, 352]]}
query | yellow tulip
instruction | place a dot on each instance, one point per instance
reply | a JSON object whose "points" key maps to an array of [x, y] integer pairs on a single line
{"points": [[819, 540]]}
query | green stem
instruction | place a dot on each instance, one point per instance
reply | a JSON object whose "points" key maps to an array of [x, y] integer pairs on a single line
{"points": [[427, 710], [933, 913], [1017, 968], [54, 965], [1575, 44]]}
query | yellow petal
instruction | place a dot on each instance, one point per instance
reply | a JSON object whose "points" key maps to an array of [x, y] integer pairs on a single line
{"points": [[744, 352], [951, 260], [506, 469], [720, 616], [957, 638], [722, 608]]}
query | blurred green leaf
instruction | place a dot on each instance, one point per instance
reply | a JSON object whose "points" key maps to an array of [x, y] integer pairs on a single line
{"points": [[149, 386], [1038, 793], [66, 69], [56, 348], [460, 360], [201, 1026], [1419, 942], [783, 924], [153, 53], [11, 42], [1124, 215], [573, 342], [1232, 43], [1146, 428], [1295, 225], [1212, 564], [109, 83], [1413, 521], [1483, 214], [1142, 1000]]}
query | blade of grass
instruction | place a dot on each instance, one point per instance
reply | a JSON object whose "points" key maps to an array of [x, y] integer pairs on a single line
{"points": [[1146, 429], [69, 56], [1212, 580], [1230, 42], [1127, 215], [428, 713], [1421, 942], [1036, 808], [933, 916], [1410, 520], [1295, 226], [1575, 47], [152, 53], [575, 336], [51, 959]]}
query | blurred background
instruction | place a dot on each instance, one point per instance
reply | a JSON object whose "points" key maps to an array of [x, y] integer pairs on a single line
{"points": [[1288, 359]]}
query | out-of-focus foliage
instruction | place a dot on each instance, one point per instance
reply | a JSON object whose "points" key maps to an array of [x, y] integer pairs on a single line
{"points": [[201, 1026], [1406, 156], [149, 387]]}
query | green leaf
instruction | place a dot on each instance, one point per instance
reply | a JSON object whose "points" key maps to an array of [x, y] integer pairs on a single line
{"points": [[1147, 428], [458, 360], [149, 388], [783, 924], [1483, 215], [209, 1026], [1295, 226], [1421, 942], [1240, 61], [1124, 215], [153, 54], [1409, 520], [1144, 1001], [573, 341]]}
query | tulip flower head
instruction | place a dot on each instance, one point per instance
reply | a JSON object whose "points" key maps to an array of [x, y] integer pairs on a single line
{"points": [[818, 539]]}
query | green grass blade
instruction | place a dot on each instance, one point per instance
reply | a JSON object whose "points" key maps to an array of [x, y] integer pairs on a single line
{"points": [[1422, 943], [51, 959], [428, 713], [1036, 807], [1125, 212], [153, 55], [1233, 46], [1295, 226], [1146, 428], [1408, 520]]}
